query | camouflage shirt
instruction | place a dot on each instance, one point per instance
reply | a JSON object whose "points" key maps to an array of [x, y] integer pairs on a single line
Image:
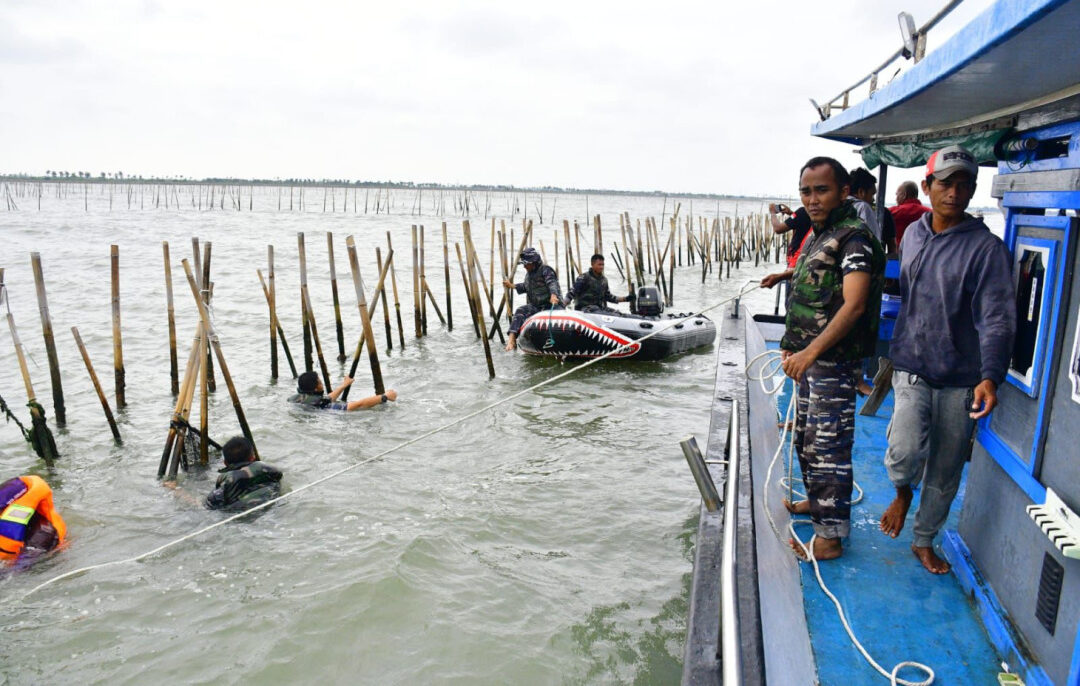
{"points": [[591, 290], [842, 246], [539, 285], [246, 485]]}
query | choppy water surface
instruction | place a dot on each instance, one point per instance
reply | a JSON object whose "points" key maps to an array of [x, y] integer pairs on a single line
{"points": [[547, 541]]}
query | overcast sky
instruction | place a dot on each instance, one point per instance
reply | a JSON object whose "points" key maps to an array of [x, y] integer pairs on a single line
{"points": [[682, 96]]}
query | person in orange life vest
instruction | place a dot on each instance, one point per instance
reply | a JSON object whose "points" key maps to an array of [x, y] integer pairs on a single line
{"points": [[29, 524]]}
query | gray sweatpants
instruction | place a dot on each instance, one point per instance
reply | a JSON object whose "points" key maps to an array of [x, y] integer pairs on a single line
{"points": [[929, 437]]}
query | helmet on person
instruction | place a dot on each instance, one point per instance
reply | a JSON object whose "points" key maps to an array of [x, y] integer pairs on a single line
{"points": [[529, 256]]}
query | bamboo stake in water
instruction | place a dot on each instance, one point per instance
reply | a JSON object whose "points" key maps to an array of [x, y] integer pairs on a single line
{"points": [[393, 282], [50, 343], [423, 285], [365, 318], [309, 363], [446, 271], [37, 415], [173, 371], [468, 291], [333, 288], [118, 346], [306, 296], [97, 385], [416, 286], [208, 291], [471, 249], [271, 302], [380, 294], [204, 316], [385, 306], [474, 290], [174, 439]]}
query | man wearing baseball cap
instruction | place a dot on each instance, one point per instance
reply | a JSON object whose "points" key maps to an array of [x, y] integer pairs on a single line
{"points": [[950, 348]]}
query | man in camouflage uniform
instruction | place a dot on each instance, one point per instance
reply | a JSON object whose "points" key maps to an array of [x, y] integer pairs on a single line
{"points": [[591, 290], [832, 320], [245, 481], [541, 289]]}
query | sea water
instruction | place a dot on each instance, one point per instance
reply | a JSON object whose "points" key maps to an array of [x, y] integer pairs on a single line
{"points": [[546, 541]]}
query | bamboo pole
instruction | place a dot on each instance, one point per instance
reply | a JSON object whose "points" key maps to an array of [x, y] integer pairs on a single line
{"points": [[508, 297], [423, 285], [118, 346], [50, 343], [207, 293], [385, 306], [306, 296], [475, 292], [446, 271], [468, 291], [43, 443], [204, 402], [471, 250], [178, 426], [309, 363], [365, 317], [393, 282], [416, 285], [204, 315], [274, 322], [174, 376], [271, 301], [334, 290]]}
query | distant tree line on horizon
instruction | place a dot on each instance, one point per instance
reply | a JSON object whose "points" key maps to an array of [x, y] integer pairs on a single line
{"points": [[119, 176]]}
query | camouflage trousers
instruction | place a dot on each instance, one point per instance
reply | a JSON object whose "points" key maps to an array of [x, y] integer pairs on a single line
{"points": [[824, 434]]}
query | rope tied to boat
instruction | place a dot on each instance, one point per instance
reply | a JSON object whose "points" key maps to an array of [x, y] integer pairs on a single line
{"points": [[766, 374], [416, 439]]}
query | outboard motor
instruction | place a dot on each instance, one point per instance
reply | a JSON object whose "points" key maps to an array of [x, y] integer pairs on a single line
{"points": [[649, 303]]}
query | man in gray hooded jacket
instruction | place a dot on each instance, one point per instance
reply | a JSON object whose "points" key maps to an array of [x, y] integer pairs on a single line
{"points": [[950, 348]]}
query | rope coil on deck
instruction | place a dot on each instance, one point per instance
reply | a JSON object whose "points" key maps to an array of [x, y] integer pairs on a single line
{"points": [[513, 396], [770, 368]]}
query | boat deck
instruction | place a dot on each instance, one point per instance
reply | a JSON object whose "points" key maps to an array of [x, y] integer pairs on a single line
{"points": [[896, 609]]}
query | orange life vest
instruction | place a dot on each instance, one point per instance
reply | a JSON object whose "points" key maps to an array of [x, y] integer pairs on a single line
{"points": [[15, 517]]}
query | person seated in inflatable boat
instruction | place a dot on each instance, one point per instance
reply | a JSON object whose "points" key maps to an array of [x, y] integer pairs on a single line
{"points": [[29, 524], [591, 291], [310, 392], [541, 289], [245, 481]]}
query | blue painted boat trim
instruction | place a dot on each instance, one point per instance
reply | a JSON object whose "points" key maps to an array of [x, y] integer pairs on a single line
{"points": [[1011, 463], [993, 615], [1074, 667], [997, 24]]}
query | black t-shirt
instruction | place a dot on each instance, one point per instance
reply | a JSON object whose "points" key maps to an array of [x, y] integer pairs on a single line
{"points": [[800, 223]]}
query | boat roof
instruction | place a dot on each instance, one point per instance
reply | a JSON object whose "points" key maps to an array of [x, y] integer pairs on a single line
{"points": [[1029, 46]]}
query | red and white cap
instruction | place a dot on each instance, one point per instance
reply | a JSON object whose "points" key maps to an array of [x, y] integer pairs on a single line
{"points": [[943, 163]]}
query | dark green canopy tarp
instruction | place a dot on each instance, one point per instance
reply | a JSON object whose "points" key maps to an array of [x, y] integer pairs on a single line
{"points": [[914, 154]]}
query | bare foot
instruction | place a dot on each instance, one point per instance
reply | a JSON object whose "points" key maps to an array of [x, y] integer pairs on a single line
{"points": [[930, 560], [864, 389], [892, 522], [824, 549], [801, 507], [511, 343]]}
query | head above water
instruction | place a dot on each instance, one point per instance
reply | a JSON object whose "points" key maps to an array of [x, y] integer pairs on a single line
{"points": [[238, 450], [529, 258], [824, 184], [863, 185], [308, 382]]}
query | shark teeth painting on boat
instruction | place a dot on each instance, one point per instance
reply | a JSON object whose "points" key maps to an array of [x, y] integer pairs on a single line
{"points": [[574, 335]]}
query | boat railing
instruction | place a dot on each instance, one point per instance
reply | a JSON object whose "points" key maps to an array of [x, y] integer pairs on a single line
{"points": [[730, 653], [913, 47], [729, 646]]}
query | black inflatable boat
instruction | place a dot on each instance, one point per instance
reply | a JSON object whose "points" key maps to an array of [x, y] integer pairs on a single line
{"points": [[575, 333]]}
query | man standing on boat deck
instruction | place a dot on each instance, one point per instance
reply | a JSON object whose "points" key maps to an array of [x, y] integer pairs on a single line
{"points": [[908, 209], [950, 349], [541, 289], [831, 326], [591, 290]]}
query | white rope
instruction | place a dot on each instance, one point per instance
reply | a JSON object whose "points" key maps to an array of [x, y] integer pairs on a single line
{"points": [[417, 439], [893, 676], [770, 368]]}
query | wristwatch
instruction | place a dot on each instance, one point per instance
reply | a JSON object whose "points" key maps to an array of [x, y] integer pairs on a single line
{"points": [[384, 398]]}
